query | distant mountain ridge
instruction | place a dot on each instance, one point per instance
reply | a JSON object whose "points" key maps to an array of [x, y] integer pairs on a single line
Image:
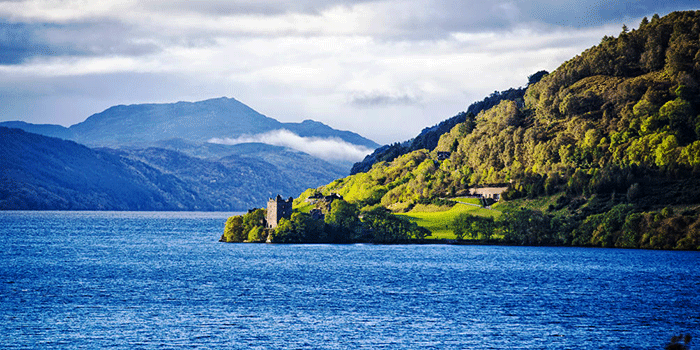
{"points": [[50, 130], [163, 157], [142, 125]]}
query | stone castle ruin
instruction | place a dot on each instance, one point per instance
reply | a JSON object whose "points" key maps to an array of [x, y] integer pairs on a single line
{"points": [[278, 208], [322, 204]]}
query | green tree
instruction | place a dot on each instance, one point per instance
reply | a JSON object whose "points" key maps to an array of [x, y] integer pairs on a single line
{"points": [[528, 227], [690, 155], [257, 234], [384, 227], [234, 231], [254, 219], [238, 228], [343, 221], [644, 108], [608, 231], [300, 228], [667, 152], [474, 227]]}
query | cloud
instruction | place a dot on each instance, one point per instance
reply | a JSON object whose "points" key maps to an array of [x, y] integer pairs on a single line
{"points": [[228, 7], [21, 42], [376, 98], [330, 149], [382, 68], [386, 90], [386, 19]]}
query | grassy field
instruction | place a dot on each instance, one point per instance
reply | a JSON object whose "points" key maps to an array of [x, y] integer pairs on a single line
{"points": [[439, 222], [471, 200], [435, 218]]}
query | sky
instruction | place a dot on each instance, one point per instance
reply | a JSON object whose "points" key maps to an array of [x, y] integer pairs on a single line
{"points": [[385, 69]]}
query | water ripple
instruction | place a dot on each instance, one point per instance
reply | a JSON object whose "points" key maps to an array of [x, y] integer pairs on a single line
{"points": [[75, 280]]}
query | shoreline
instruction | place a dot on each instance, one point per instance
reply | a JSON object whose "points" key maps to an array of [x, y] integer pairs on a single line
{"points": [[443, 241]]}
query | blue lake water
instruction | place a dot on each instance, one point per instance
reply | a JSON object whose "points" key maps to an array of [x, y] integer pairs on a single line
{"points": [[72, 280]]}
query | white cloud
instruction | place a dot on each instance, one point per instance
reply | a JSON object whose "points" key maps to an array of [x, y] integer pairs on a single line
{"points": [[386, 90], [379, 98], [330, 149]]}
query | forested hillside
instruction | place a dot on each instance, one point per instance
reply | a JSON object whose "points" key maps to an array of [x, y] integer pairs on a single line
{"points": [[612, 136], [429, 137]]}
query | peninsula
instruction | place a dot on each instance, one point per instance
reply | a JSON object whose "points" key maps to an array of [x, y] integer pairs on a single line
{"points": [[604, 151]]}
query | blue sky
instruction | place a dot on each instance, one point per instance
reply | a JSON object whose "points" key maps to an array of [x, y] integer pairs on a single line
{"points": [[384, 69]]}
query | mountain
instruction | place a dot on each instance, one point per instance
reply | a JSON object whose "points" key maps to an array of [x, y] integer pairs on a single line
{"points": [[163, 157], [40, 172], [143, 125], [610, 141]]}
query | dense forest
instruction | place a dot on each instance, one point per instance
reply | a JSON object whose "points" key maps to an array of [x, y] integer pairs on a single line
{"points": [[429, 137], [612, 136]]}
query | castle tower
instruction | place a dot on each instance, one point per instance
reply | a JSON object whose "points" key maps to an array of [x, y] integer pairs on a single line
{"points": [[277, 209]]}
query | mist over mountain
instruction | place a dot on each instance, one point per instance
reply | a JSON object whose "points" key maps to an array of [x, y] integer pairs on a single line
{"points": [[217, 154], [144, 125], [214, 155]]}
